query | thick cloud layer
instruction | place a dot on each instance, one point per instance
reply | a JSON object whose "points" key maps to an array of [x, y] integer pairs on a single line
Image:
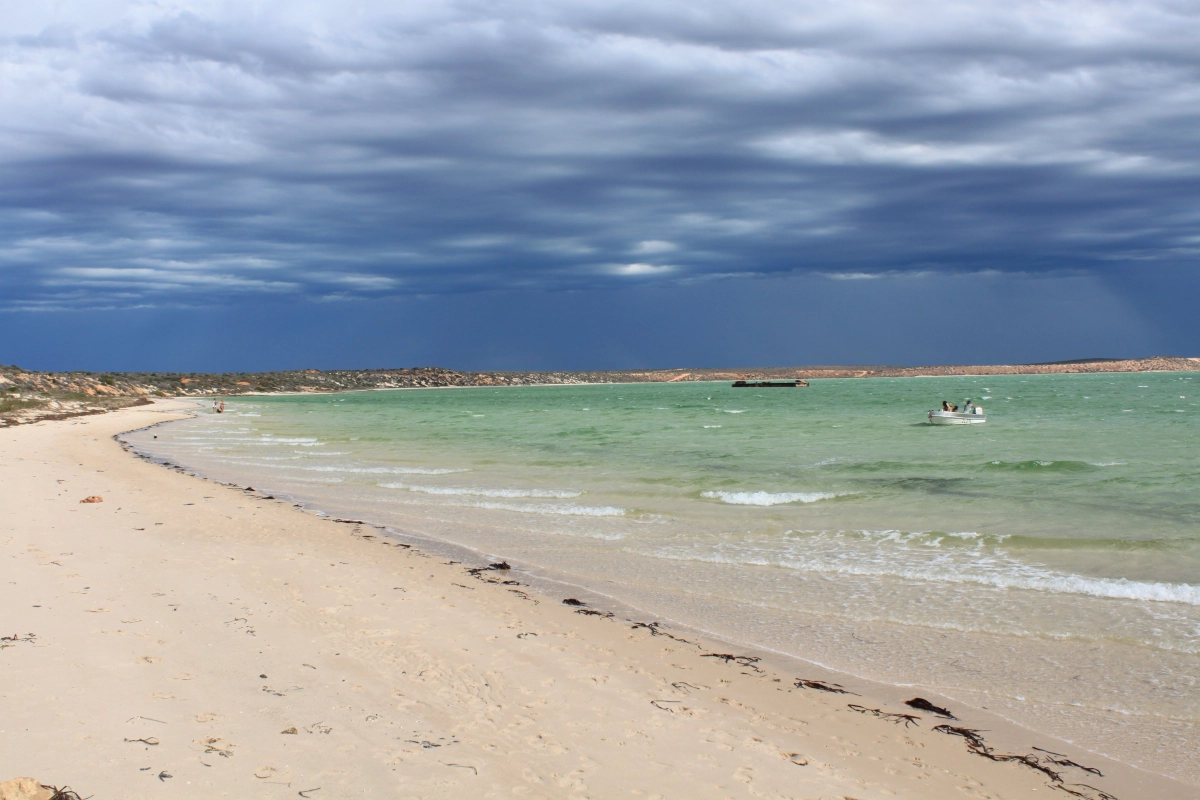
{"points": [[179, 153]]}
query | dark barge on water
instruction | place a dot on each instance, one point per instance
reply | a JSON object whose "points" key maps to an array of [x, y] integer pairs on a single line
{"points": [[767, 384]]}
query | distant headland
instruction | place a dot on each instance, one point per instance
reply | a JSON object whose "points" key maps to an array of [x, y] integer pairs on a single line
{"points": [[29, 396]]}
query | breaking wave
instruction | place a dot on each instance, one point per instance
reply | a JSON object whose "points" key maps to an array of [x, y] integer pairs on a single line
{"points": [[918, 556]]}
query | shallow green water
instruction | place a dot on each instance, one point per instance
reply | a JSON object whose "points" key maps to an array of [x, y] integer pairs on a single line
{"points": [[829, 522]]}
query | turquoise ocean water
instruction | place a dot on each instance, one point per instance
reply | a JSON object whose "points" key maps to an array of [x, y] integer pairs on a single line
{"points": [[1045, 565]]}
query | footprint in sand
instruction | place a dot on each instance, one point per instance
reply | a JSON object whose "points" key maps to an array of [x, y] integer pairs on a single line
{"points": [[208, 716], [150, 659]]}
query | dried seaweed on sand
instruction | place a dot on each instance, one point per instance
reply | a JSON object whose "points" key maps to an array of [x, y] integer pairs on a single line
{"points": [[907, 719], [977, 745], [822, 686]]}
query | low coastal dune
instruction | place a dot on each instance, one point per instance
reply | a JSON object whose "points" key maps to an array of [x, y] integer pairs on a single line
{"points": [[186, 639]]}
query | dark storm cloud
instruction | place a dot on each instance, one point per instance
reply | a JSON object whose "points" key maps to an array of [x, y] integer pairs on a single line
{"points": [[179, 153]]}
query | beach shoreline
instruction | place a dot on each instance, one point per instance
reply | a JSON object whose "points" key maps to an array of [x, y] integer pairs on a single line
{"points": [[268, 618]]}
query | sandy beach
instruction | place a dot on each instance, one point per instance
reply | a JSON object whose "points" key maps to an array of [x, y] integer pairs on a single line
{"points": [[186, 639]]}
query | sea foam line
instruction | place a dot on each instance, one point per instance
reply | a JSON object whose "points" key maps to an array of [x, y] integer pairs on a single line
{"points": [[386, 470], [479, 492], [770, 498], [1058, 583], [555, 509], [837, 555]]}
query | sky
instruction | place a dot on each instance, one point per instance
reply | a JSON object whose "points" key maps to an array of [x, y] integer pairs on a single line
{"points": [[596, 184]]}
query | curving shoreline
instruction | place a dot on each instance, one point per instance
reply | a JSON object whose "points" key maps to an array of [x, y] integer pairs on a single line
{"points": [[455, 683]]}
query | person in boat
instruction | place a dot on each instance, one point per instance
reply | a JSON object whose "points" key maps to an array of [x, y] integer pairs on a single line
{"points": [[945, 405], [968, 408]]}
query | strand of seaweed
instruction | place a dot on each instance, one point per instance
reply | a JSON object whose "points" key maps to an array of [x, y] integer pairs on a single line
{"points": [[581, 608], [1063, 761], [833, 688], [655, 629], [977, 745], [907, 719], [742, 661], [500, 566]]}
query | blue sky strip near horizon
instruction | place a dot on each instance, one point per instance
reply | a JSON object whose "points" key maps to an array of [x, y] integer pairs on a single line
{"points": [[582, 184]]}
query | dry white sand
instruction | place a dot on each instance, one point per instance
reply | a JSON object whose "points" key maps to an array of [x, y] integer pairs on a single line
{"points": [[184, 639]]}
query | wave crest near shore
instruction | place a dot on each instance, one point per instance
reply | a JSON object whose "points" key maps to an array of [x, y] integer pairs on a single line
{"points": [[770, 498]]}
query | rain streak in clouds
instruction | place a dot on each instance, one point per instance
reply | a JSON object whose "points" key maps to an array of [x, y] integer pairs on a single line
{"points": [[172, 153]]}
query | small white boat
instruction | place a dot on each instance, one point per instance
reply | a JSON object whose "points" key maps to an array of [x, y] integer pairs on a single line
{"points": [[957, 417]]}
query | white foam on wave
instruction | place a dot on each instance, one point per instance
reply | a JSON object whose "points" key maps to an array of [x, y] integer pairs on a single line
{"points": [[556, 509], [712, 426], [734, 411], [258, 459], [1031, 578], [916, 556], [387, 470], [770, 498], [571, 531], [481, 492]]}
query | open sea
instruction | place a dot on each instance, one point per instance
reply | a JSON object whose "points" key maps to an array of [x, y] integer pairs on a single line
{"points": [[1045, 565]]}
